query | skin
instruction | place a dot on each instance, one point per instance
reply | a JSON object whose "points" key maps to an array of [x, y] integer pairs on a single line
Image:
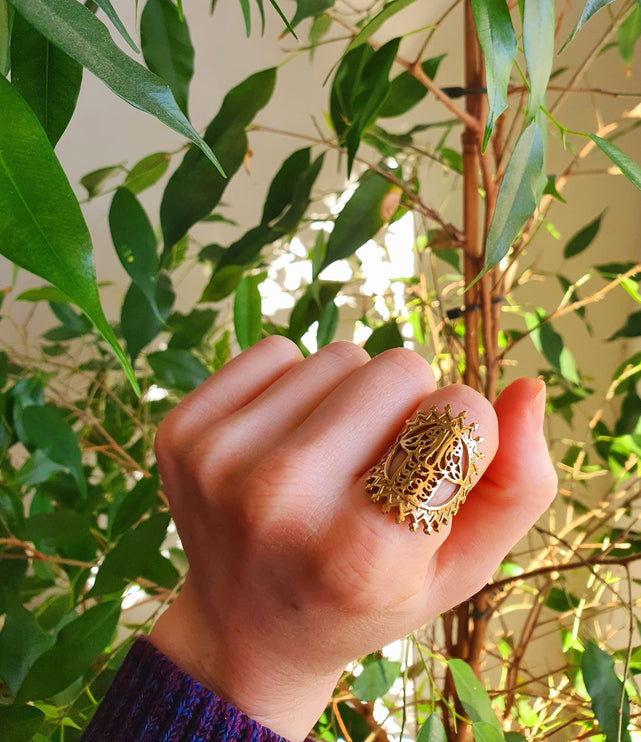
{"points": [[293, 571]]}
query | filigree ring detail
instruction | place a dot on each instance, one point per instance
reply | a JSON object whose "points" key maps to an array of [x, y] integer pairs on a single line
{"points": [[428, 471]]}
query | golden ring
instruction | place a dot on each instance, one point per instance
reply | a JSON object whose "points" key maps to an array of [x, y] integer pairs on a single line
{"points": [[428, 471]]}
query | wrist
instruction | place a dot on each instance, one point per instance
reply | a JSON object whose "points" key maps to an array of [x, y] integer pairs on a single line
{"points": [[285, 699]]}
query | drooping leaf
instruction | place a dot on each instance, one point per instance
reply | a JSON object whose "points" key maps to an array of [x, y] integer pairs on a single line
{"points": [[432, 730], [247, 311], [47, 78], [359, 90], [222, 283], [538, 45], [146, 172], [135, 242], [498, 42], [550, 344], [128, 558], [58, 529], [178, 369], [473, 696], [96, 179], [188, 330], [281, 189], [629, 33], [518, 195], [590, 8], [405, 91], [46, 429], [75, 30], [630, 329], [41, 226], [22, 641], [244, 5], [370, 28], [134, 505], [628, 166], [583, 238], [309, 9], [110, 12], [383, 338], [43, 293], [369, 208], [283, 18], [139, 321], [166, 47], [327, 324], [77, 646], [6, 23], [376, 679], [195, 188], [606, 691]]}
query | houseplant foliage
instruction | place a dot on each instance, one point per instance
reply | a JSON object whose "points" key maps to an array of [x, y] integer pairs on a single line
{"points": [[85, 531]]}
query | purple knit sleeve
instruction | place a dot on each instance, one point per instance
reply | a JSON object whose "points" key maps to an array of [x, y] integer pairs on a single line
{"points": [[151, 700]]}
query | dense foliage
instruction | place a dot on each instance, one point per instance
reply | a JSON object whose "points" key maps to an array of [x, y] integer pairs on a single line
{"points": [[85, 534]]}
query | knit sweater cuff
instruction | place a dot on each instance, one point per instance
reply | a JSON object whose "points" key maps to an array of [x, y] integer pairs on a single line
{"points": [[151, 700]]}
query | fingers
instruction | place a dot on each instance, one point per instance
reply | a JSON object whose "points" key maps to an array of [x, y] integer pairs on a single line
{"points": [[354, 424], [516, 489]]}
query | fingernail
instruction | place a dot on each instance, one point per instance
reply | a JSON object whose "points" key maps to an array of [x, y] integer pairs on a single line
{"points": [[538, 406]]}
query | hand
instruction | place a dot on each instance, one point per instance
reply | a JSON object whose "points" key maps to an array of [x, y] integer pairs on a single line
{"points": [[293, 571]]}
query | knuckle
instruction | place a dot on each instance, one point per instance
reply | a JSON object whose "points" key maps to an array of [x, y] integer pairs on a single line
{"points": [[347, 351], [411, 364]]}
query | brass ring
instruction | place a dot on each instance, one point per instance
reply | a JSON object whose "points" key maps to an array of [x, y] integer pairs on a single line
{"points": [[434, 451]]}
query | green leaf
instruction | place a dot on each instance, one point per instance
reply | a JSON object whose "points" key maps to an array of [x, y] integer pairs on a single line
{"points": [[389, 9], [131, 554], [281, 189], [222, 283], [46, 429], [514, 737], [196, 188], [498, 43], [591, 7], [20, 723], [244, 4], [627, 166], [135, 243], [383, 338], [606, 691], [109, 11], [561, 600], [178, 369], [77, 646], [550, 189], [134, 505], [43, 293], [631, 328], [47, 78], [432, 730], [288, 26], [629, 33], [472, 695], [550, 344], [484, 732], [309, 9], [358, 92], [96, 179], [22, 641], [583, 238], [310, 307], [188, 330], [139, 322], [518, 195], [405, 91], [41, 226], [147, 172], [247, 311], [363, 215], [166, 47], [6, 23], [59, 529], [75, 29], [538, 45], [327, 324], [376, 679]]}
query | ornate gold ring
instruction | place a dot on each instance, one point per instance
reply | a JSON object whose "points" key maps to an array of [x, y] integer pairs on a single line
{"points": [[428, 471]]}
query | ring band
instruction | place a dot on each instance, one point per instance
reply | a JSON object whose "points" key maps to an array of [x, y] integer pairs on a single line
{"points": [[434, 456]]}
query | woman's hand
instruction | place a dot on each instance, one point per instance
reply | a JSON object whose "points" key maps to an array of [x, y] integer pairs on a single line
{"points": [[293, 570]]}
